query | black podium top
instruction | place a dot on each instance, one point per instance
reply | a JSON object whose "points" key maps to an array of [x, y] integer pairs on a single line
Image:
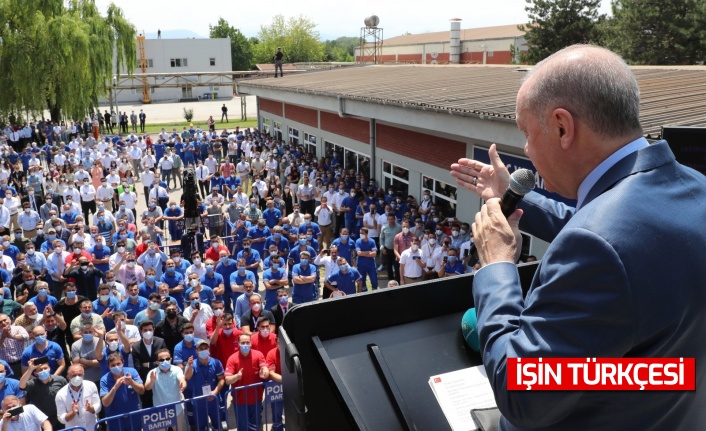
{"points": [[363, 362]]}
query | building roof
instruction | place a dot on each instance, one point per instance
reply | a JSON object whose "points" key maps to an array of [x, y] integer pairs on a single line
{"points": [[669, 95], [483, 33]]}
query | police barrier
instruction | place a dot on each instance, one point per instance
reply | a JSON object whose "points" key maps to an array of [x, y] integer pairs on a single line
{"points": [[258, 406], [176, 416]]}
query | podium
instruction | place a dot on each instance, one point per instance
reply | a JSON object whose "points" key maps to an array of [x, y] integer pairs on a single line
{"points": [[363, 362]]}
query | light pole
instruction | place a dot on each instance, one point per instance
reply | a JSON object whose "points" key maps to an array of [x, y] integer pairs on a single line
{"points": [[115, 94]]}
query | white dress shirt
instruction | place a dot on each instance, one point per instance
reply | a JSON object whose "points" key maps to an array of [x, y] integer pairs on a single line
{"points": [[411, 269], [130, 199], [323, 215], [65, 398], [205, 313], [4, 217], [202, 172], [88, 193]]}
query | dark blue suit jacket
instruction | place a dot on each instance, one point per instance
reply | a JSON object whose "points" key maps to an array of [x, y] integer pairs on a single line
{"points": [[625, 276]]}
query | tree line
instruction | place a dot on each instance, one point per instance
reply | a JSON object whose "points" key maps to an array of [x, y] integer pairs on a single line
{"points": [[297, 36], [644, 32]]}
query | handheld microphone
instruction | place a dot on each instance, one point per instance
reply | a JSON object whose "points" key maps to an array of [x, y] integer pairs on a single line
{"points": [[468, 328], [521, 183]]}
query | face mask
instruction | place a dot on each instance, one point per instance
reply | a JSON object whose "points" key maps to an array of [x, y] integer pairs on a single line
{"points": [[343, 268], [432, 242], [439, 232], [209, 268], [248, 294], [176, 259], [189, 338], [171, 314], [452, 259], [197, 261], [165, 365], [154, 306], [117, 369], [76, 381], [344, 237], [275, 266], [131, 264], [193, 283], [71, 295], [151, 278], [6, 244], [415, 247], [244, 349], [405, 230], [204, 354], [305, 262], [436, 220], [217, 312], [256, 307], [88, 338], [265, 332], [302, 242], [41, 339], [44, 374], [454, 233], [147, 335], [77, 251], [283, 300], [228, 331], [113, 346], [43, 293]]}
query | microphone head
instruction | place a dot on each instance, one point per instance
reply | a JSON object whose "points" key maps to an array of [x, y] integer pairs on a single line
{"points": [[468, 328], [522, 181]]}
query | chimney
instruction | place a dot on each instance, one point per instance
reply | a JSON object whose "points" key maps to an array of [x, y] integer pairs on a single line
{"points": [[455, 46]]}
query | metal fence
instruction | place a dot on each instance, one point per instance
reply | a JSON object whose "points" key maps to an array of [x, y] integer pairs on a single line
{"points": [[259, 406]]}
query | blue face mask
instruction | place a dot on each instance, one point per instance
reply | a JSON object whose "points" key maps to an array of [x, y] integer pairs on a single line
{"points": [[278, 236], [71, 295], [302, 242], [344, 237], [51, 237], [151, 278], [44, 374], [275, 266], [189, 338], [171, 270], [195, 303], [204, 354], [2, 376], [452, 259], [43, 293], [241, 270], [116, 369], [343, 268], [309, 237], [224, 259], [209, 268], [40, 339], [88, 338], [164, 366], [244, 349], [283, 300], [305, 262]]}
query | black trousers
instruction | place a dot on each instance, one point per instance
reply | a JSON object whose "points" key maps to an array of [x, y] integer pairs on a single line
{"points": [[392, 265], [86, 207]]}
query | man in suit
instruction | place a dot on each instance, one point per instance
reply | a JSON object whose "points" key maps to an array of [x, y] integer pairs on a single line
{"points": [[144, 359], [35, 200], [623, 275], [280, 309]]}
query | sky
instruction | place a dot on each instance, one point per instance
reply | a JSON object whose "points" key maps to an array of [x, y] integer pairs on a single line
{"points": [[334, 18]]}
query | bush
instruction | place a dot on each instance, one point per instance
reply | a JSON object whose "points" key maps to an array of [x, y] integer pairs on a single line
{"points": [[188, 114]]}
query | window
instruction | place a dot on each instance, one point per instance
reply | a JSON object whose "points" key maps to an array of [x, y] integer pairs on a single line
{"points": [[151, 90], [442, 194], [266, 124], [490, 53], [396, 178], [293, 137], [277, 130], [310, 144], [149, 63], [212, 61], [349, 159], [133, 91], [179, 62]]}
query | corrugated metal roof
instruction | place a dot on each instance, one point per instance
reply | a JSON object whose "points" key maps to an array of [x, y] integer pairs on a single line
{"points": [[496, 32], [670, 95]]}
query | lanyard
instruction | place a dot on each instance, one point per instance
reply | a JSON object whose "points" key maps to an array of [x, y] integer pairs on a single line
{"points": [[71, 392]]}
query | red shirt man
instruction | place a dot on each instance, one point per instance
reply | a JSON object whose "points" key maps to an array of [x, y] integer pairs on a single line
{"points": [[213, 252], [225, 338], [263, 340], [244, 368]]}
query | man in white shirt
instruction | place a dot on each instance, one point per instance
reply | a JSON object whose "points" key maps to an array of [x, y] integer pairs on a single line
{"points": [[6, 261], [4, 218], [211, 163], [71, 191], [324, 218], [198, 316], [203, 175], [78, 403], [412, 262], [30, 419], [105, 194], [135, 157], [147, 179], [88, 198], [370, 221], [12, 203], [81, 175], [241, 198], [330, 262], [60, 158], [165, 165], [243, 170], [432, 252]]}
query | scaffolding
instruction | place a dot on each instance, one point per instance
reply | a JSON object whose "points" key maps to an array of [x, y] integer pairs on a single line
{"points": [[370, 45], [143, 66]]}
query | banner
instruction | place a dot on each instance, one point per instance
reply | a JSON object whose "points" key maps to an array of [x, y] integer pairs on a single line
{"points": [[160, 419], [273, 391]]}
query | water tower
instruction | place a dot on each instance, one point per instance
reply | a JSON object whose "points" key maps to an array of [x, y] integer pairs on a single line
{"points": [[370, 41]]}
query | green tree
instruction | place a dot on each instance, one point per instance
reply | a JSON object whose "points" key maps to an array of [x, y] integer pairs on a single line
{"points": [[556, 24], [658, 32], [240, 47], [297, 37], [341, 49], [59, 55]]}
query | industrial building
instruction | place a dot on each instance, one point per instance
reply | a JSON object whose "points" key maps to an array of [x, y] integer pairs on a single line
{"points": [[406, 124], [179, 56], [487, 45]]}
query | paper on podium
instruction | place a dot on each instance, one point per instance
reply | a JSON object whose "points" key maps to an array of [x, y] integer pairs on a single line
{"points": [[458, 392]]}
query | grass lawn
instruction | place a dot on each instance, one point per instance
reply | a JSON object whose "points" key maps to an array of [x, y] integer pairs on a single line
{"points": [[153, 129]]}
